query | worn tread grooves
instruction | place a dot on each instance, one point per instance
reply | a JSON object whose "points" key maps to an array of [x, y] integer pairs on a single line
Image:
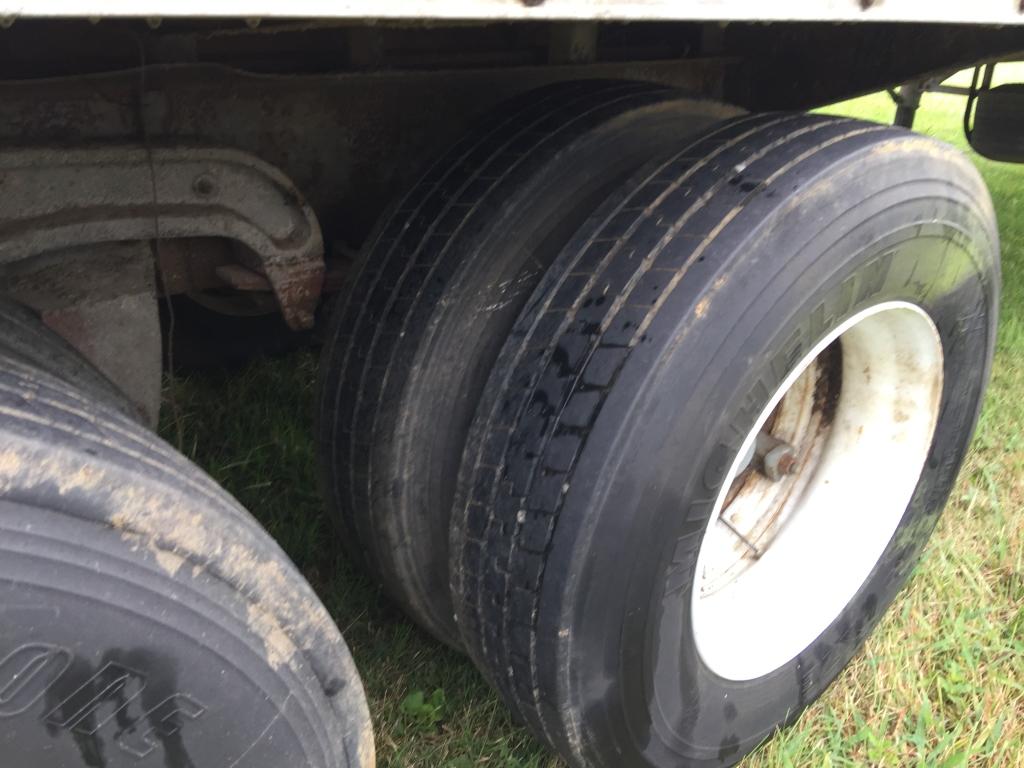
{"points": [[406, 264]]}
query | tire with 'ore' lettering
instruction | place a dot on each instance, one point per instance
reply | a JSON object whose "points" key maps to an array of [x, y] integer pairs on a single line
{"points": [[146, 618]]}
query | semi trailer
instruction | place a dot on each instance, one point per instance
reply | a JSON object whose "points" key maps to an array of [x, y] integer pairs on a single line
{"points": [[641, 384]]}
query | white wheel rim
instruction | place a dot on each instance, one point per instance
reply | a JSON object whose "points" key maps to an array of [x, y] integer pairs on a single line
{"points": [[781, 559]]}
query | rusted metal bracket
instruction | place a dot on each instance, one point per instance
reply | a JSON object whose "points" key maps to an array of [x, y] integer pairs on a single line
{"points": [[59, 198]]}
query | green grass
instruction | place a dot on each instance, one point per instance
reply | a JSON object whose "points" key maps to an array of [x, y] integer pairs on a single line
{"points": [[940, 683]]}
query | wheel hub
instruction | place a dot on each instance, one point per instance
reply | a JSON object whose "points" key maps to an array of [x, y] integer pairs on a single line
{"points": [[817, 490]]}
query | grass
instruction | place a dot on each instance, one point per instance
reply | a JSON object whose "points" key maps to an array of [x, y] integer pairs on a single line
{"points": [[940, 683]]}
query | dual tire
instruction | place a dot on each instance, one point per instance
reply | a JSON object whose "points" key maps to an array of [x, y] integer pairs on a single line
{"points": [[637, 577], [607, 442], [416, 330]]}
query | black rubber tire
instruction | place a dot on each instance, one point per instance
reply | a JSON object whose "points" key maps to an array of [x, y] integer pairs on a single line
{"points": [[145, 613], [413, 337], [24, 337], [620, 398], [995, 133]]}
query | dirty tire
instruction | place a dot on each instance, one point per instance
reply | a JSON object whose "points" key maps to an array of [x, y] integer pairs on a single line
{"points": [[619, 401], [24, 337], [146, 614], [413, 337]]}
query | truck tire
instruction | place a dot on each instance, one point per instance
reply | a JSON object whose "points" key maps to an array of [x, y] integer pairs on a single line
{"points": [[643, 579], [24, 337], [144, 613], [412, 340]]}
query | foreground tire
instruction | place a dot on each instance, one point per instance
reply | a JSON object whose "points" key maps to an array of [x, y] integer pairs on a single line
{"points": [[641, 577], [146, 616], [413, 338]]}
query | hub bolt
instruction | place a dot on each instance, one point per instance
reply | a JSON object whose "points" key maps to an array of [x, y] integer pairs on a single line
{"points": [[775, 458]]}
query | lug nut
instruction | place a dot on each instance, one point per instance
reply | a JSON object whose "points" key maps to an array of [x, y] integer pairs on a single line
{"points": [[775, 458]]}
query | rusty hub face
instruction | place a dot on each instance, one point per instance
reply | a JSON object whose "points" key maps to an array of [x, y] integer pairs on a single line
{"points": [[763, 494], [817, 490]]}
